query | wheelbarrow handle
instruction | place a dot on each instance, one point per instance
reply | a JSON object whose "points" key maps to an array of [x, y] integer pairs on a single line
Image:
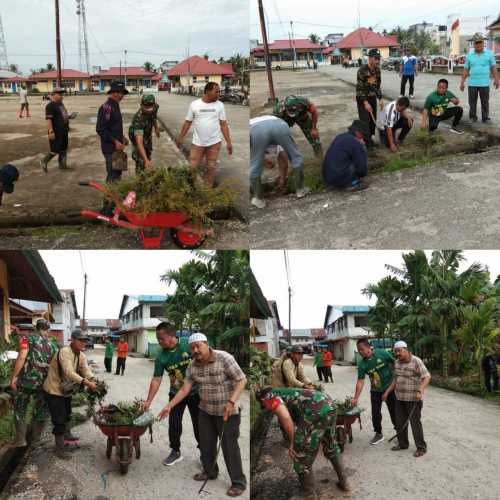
{"points": [[84, 183]]}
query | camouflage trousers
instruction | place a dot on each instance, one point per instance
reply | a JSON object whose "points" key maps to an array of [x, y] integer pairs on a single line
{"points": [[305, 125], [139, 162], [309, 435], [21, 401]]}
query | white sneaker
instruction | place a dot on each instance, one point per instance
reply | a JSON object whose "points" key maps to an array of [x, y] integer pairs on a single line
{"points": [[302, 192], [258, 202], [411, 96]]}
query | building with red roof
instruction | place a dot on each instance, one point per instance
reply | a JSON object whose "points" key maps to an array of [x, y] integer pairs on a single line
{"points": [[285, 52], [72, 80], [137, 78], [357, 44], [10, 81]]}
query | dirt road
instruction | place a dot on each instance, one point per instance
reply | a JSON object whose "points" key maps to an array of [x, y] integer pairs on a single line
{"points": [[89, 475], [462, 436]]}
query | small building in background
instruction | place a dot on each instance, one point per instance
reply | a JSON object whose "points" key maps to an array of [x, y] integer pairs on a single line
{"points": [[72, 81], [357, 44], [494, 37], [138, 79], [299, 53], [344, 326], [98, 329], [66, 315], [11, 82]]}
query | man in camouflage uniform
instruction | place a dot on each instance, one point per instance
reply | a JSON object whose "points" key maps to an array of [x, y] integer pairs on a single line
{"points": [[309, 418], [368, 91], [30, 370], [301, 111], [140, 132]]}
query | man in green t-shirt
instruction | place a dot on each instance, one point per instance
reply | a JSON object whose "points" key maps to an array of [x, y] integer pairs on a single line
{"points": [[108, 355], [174, 358], [378, 364], [436, 108], [318, 363]]}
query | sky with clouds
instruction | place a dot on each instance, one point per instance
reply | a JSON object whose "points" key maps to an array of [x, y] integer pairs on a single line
{"points": [[332, 277], [153, 30], [327, 16]]}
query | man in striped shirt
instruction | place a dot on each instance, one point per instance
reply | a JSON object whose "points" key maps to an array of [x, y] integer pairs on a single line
{"points": [[395, 116]]}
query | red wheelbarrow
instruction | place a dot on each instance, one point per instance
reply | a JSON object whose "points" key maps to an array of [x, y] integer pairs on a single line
{"points": [[343, 429], [184, 233], [125, 439]]}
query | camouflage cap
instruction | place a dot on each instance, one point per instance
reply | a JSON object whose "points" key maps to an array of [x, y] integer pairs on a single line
{"points": [[374, 53], [148, 100], [293, 105], [297, 349], [478, 38]]}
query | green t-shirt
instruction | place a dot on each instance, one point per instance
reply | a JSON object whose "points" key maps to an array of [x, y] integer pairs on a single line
{"points": [[436, 104], [175, 363], [379, 367], [318, 359], [108, 353]]}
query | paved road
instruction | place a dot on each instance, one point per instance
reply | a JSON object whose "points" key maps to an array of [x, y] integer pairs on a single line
{"points": [[461, 464], [173, 109], [90, 476]]}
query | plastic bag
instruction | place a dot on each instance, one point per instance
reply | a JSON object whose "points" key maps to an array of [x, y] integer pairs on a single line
{"points": [[147, 418]]}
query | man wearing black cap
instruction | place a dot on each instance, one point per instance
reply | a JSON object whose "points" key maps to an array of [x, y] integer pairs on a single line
{"points": [[368, 91], [68, 371], [8, 175], [346, 160], [57, 118]]}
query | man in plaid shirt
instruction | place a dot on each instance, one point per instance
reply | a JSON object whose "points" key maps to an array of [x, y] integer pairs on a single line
{"points": [[220, 383], [411, 377]]}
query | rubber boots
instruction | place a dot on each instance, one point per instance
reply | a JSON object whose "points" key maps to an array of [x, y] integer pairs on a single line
{"points": [[36, 432], [59, 450], [339, 469], [67, 433], [306, 480], [257, 193], [20, 439], [63, 161], [300, 189]]}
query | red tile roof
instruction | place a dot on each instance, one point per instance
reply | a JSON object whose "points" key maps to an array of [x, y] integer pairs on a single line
{"points": [[52, 75], [157, 77], [198, 66], [15, 79], [120, 71], [298, 43], [364, 37]]}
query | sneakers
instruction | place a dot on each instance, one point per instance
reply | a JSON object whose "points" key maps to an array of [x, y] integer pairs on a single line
{"points": [[302, 192], [473, 119], [43, 165], [411, 96], [359, 186], [456, 130], [175, 456], [486, 120], [258, 202], [378, 438]]}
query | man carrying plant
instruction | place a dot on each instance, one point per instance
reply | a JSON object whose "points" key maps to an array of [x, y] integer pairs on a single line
{"points": [[411, 378], [174, 358], [378, 364], [30, 369], [122, 352], [108, 355], [68, 371], [309, 419], [220, 383]]}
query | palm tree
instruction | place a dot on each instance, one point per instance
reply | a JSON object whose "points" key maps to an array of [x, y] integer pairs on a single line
{"points": [[14, 68], [50, 67], [149, 66], [314, 38]]}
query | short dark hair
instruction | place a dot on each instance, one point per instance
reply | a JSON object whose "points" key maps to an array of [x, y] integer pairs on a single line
{"points": [[363, 341], [403, 101], [443, 80], [165, 326], [209, 86]]}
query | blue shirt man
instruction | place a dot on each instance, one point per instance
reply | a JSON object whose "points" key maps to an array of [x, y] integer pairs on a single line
{"points": [[409, 64], [408, 71]]}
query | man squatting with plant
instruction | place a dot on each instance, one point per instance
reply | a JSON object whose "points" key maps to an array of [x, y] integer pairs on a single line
{"points": [[220, 382], [309, 419], [68, 371], [174, 358], [30, 369]]}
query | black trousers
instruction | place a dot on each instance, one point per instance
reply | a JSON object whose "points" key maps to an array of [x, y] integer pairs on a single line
{"points": [[364, 116], [456, 112], [60, 412], [120, 365], [404, 79], [108, 364], [319, 371], [488, 378], [175, 420], [327, 373], [402, 124], [484, 96], [376, 400], [111, 174], [210, 431], [403, 409]]}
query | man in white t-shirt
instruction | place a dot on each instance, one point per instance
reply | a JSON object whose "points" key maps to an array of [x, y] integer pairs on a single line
{"points": [[394, 116], [208, 117], [23, 100]]}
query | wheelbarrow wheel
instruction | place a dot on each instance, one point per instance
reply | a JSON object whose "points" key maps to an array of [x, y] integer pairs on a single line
{"points": [[109, 448], [186, 239], [124, 455]]}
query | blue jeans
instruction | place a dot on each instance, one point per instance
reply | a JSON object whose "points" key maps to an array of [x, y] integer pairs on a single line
{"points": [[266, 133]]}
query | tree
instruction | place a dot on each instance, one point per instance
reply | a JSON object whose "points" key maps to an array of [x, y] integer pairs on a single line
{"points": [[50, 67], [149, 66], [314, 38], [205, 56], [14, 68]]}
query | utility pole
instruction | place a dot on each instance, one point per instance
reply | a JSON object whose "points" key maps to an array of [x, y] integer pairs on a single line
{"points": [[272, 95], [293, 42], [4, 63], [84, 300], [125, 68], [58, 46]]}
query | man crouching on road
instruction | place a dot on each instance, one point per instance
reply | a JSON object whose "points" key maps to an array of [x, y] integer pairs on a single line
{"points": [[411, 377], [220, 382], [68, 370], [313, 424]]}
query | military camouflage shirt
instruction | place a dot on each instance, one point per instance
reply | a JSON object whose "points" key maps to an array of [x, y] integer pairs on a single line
{"points": [[280, 112], [368, 83], [41, 350], [142, 124], [308, 404]]}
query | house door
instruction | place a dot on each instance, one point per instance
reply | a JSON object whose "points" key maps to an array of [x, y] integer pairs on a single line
{"points": [[341, 351], [14, 87], [102, 85], [81, 86]]}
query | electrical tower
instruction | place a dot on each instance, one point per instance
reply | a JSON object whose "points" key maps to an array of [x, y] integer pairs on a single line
{"points": [[83, 46], [4, 63]]}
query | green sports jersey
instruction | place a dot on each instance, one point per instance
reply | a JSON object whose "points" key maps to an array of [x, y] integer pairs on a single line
{"points": [[108, 353], [436, 104], [175, 362], [379, 367]]}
